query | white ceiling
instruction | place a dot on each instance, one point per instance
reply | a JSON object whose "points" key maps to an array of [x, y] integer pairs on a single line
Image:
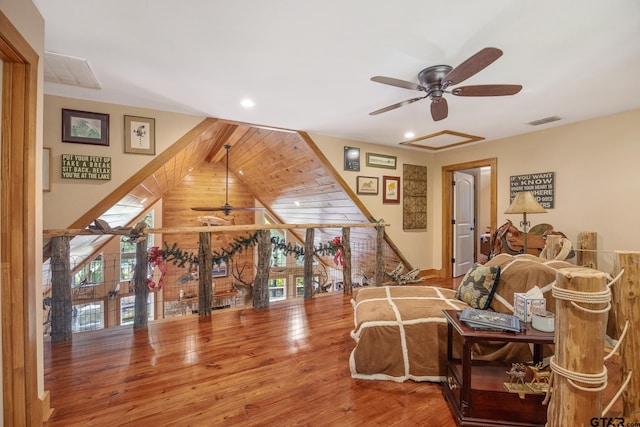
{"points": [[307, 64]]}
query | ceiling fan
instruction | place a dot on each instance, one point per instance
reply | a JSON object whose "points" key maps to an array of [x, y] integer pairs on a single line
{"points": [[226, 208], [435, 80]]}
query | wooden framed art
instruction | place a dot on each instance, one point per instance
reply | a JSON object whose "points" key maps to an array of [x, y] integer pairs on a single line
{"points": [[139, 135], [84, 127], [46, 169], [381, 161], [390, 189], [367, 185]]}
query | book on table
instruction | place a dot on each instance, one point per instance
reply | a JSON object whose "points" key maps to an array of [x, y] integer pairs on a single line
{"points": [[489, 320]]}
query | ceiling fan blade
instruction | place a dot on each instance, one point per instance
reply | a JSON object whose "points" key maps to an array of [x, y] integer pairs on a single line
{"points": [[439, 109], [487, 90], [471, 66], [398, 83], [207, 209], [397, 105]]}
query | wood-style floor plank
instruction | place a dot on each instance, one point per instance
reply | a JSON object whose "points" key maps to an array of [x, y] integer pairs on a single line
{"points": [[286, 365]]}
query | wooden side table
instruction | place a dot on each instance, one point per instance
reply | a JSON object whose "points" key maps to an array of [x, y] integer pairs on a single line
{"points": [[475, 390]]}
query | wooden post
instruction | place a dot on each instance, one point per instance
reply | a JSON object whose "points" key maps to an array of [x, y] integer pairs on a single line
{"points": [[308, 263], [261, 284], [379, 266], [587, 246], [346, 256], [627, 305], [205, 282], [141, 289], [61, 304], [579, 346], [553, 246]]}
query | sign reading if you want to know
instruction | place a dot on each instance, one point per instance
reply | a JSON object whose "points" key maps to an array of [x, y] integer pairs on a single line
{"points": [[79, 166], [542, 185]]}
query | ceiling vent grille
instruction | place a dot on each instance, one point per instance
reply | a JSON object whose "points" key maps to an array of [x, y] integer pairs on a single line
{"points": [[544, 121], [69, 70]]}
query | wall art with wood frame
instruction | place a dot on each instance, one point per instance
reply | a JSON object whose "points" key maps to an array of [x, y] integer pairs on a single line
{"points": [[84, 127], [139, 135], [390, 189]]}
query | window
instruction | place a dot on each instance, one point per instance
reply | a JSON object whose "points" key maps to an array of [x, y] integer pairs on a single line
{"points": [[127, 308], [277, 288], [90, 273], [128, 251], [279, 256], [87, 317]]}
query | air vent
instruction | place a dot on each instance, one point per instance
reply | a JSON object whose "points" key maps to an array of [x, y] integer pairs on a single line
{"points": [[545, 120], [69, 70]]}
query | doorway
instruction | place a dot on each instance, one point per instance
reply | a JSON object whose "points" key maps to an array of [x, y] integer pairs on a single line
{"points": [[449, 212]]}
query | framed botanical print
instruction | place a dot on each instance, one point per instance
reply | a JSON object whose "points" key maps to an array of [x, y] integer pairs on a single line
{"points": [[139, 135]]}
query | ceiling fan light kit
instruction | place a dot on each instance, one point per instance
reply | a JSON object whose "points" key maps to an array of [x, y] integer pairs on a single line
{"points": [[435, 80]]}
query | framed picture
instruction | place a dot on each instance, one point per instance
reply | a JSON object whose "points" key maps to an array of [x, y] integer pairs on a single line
{"points": [[367, 184], [391, 189], [139, 135], [381, 161], [352, 159], [84, 127], [46, 169], [219, 270]]}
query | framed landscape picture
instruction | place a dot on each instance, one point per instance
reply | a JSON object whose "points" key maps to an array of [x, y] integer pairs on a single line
{"points": [[219, 270], [391, 189], [367, 185], [84, 127]]}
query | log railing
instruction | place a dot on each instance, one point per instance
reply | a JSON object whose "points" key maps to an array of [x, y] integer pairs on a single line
{"points": [[61, 270]]}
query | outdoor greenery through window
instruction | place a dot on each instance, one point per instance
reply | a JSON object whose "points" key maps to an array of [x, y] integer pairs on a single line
{"points": [[277, 289], [128, 251], [90, 273]]}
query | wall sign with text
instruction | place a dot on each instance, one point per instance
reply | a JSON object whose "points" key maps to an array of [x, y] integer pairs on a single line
{"points": [[542, 185], [80, 166]]}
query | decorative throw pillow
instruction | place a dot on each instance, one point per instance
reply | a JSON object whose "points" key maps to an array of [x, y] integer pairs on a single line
{"points": [[479, 285]]}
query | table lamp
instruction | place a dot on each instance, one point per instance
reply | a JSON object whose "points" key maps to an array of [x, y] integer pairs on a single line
{"points": [[524, 203]]}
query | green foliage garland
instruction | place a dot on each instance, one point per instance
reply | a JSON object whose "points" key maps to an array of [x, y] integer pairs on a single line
{"points": [[180, 258]]}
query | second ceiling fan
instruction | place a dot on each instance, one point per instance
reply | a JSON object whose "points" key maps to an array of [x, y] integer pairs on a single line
{"points": [[435, 80], [226, 208]]}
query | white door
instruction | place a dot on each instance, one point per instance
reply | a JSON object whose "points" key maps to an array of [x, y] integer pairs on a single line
{"points": [[463, 222]]}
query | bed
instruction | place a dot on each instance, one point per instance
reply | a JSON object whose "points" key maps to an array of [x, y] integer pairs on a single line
{"points": [[401, 333]]}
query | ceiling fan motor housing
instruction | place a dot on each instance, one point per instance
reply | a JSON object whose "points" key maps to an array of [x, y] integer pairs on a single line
{"points": [[431, 78]]}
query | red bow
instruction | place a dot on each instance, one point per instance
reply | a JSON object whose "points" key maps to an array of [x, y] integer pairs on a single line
{"points": [[156, 260], [338, 259]]}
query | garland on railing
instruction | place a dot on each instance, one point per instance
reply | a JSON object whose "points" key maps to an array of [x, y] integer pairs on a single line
{"points": [[180, 258]]}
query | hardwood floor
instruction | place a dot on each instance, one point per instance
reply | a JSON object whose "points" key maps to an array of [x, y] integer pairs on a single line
{"points": [[286, 365]]}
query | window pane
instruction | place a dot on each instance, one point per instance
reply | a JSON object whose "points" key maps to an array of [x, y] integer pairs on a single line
{"points": [[87, 317]]}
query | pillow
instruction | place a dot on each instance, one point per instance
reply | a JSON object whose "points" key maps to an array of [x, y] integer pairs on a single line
{"points": [[478, 286]]}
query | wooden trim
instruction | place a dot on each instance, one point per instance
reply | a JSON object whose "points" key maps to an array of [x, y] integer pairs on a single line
{"points": [[447, 205], [21, 403]]}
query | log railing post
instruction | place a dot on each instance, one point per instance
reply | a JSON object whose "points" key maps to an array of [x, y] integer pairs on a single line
{"points": [[141, 289], [205, 281], [308, 264], [587, 246], [626, 303], [578, 363], [346, 256], [61, 304], [379, 263], [261, 283]]}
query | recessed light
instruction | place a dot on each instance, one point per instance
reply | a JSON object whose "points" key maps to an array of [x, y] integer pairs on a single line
{"points": [[409, 135], [297, 203], [247, 103], [240, 172]]}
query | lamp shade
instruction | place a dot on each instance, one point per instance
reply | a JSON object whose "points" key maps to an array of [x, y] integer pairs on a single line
{"points": [[524, 202]]}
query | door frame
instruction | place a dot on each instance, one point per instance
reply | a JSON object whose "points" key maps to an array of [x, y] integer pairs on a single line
{"points": [[21, 403], [447, 205]]}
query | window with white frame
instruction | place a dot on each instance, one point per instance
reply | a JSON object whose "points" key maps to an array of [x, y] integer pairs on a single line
{"points": [[127, 308], [87, 316]]}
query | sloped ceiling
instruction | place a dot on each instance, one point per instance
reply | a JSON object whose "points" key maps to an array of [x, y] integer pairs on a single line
{"points": [[284, 170]]}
